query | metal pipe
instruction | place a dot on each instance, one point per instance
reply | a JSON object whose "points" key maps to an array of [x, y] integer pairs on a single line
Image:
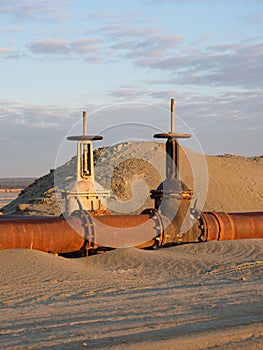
{"points": [[127, 230], [61, 235], [48, 234], [64, 235], [230, 226]]}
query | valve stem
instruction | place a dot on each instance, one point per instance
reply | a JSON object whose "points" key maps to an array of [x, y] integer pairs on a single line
{"points": [[172, 115]]}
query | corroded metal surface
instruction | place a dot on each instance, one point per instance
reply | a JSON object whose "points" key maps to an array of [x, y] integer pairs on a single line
{"points": [[118, 231], [173, 135], [229, 226], [48, 234], [79, 231], [85, 138], [126, 230]]}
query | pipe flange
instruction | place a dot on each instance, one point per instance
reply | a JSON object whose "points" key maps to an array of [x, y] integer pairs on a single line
{"points": [[158, 225], [88, 225]]}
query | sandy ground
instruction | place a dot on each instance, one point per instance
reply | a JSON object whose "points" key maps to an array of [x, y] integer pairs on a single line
{"points": [[195, 296]]}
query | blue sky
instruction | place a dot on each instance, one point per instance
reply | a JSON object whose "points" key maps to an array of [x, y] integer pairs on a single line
{"points": [[58, 58]]}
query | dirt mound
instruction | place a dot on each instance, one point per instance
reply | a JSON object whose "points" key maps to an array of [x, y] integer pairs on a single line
{"points": [[129, 169]]}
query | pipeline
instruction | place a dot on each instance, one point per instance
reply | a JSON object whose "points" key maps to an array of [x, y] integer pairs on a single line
{"points": [[82, 231], [48, 234], [228, 226]]}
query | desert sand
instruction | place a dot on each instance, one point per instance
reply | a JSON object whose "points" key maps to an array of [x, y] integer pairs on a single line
{"points": [[193, 296]]}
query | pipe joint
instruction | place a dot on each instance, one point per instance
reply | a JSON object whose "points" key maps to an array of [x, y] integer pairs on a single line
{"points": [[159, 227], [89, 233]]}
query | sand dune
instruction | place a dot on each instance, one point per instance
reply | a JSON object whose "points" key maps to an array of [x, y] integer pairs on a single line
{"points": [[195, 296]]}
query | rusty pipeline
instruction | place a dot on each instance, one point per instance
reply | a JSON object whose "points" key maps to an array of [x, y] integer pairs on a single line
{"points": [[81, 230], [229, 226], [48, 234], [139, 231]]}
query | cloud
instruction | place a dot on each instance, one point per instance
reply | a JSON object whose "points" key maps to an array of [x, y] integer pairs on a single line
{"points": [[104, 16], [200, 108], [230, 122], [126, 93], [84, 45], [129, 43], [49, 46], [13, 113], [30, 136], [51, 10], [153, 46], [113, 42], [12, 29], [226, 123], [238, 65], [8, 53], [63, 47], [122, 30], [6, 50]]}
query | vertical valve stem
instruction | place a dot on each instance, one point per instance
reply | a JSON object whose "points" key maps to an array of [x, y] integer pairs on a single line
{"points": [[84, 123], [172, 115], [85, 149]]}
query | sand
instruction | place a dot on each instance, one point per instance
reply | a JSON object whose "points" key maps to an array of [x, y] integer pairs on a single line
{"points": [[234, 182], [194, 296]]}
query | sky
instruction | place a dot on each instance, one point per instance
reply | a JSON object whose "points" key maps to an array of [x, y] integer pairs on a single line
{"points": [[122, 62]]}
